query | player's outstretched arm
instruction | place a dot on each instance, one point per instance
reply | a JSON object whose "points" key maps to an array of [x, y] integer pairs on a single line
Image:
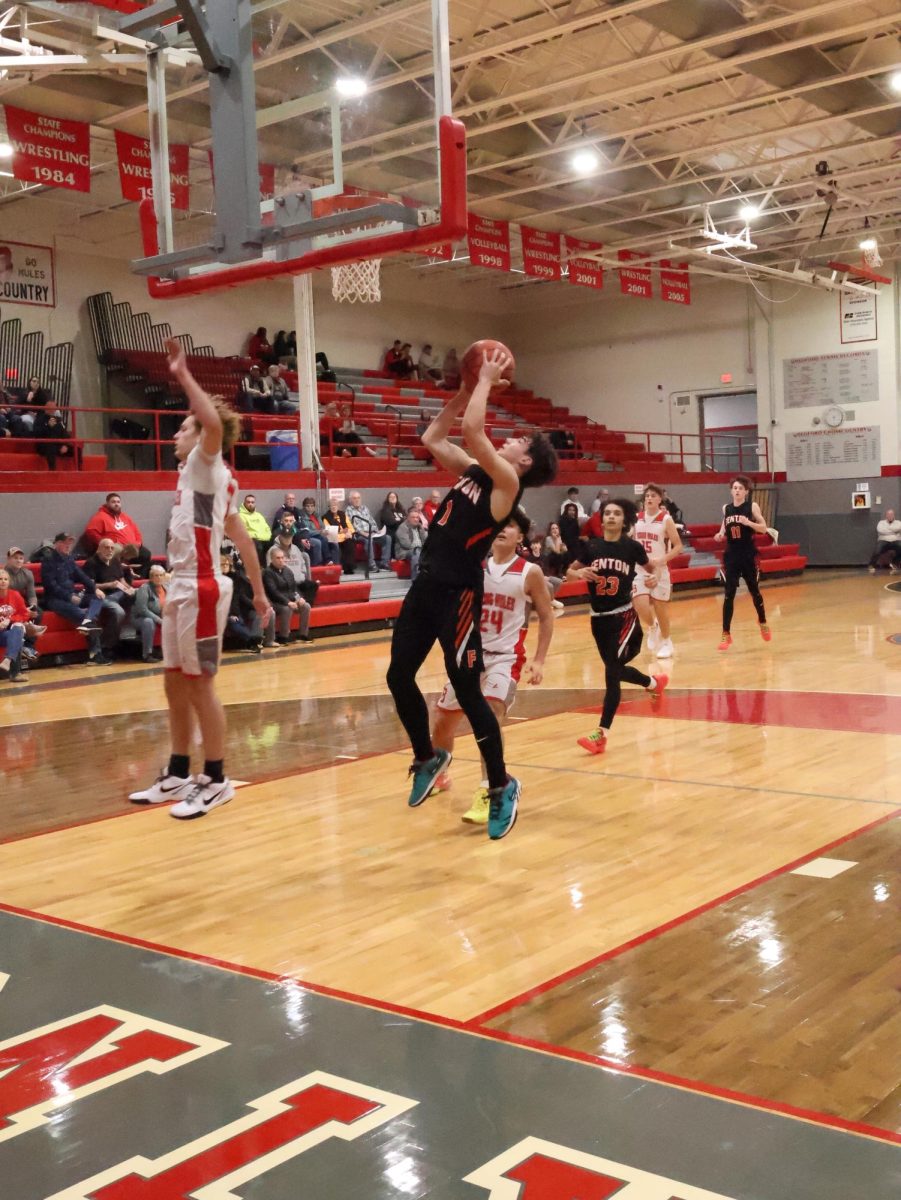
{"points": [[540, 599], [237, 531], [503, 474], [436, 438], [199, 402]]}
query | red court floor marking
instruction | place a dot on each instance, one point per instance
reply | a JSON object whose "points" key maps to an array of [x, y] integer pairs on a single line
{"points": [[524, 997], [689, 1085], [851, 713]]}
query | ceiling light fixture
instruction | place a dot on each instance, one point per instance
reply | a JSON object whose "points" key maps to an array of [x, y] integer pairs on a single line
{"points": [[748, 212], [894, 81], [584, 162], [351, 87], [6, 150]]}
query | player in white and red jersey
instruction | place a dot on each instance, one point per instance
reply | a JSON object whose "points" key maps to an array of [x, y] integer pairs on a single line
{"points": [[513, 587], [197, 600], [656, 530]]}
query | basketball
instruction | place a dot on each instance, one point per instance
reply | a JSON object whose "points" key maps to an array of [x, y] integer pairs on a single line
{"points": [[471, 363]]}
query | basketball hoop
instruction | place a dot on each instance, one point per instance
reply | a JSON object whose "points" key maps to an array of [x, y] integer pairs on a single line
{"points": [[872, 258], [357, 281]]}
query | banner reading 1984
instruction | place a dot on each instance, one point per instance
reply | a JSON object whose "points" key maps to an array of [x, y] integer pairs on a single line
{"points": [[49, 151]]}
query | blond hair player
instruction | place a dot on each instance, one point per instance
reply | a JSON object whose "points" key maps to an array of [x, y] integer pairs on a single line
{"points": [[198, 598], [656, 530]]}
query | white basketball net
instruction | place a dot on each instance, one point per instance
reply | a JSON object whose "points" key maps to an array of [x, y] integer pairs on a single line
{"points": [[357, 281], [872, 258]]}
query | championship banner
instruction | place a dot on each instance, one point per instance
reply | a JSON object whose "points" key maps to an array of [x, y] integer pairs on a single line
{"points": [[27, 275], [583, 272], [540, 252], [675, 285], [135, 175], [489, 243], [634, 281], [49, 151], [267, 180]]}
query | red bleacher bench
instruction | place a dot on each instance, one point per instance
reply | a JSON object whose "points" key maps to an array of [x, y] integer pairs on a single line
{"points": [[694, 574], [401, 567], [343, 593], [788, 562], [352, 614]]}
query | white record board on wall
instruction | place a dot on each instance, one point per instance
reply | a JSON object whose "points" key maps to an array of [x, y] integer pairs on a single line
{"points": [[833, 453], [850, 377]]}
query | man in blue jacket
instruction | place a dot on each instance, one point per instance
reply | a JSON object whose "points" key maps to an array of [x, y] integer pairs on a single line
{"points": [[59, 575]]}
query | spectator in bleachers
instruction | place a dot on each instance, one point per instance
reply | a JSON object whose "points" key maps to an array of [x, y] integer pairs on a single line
{"points": [[244, 625], [298, 563], [147, 613], [59, 575], [30, 399], [418, 507], [109, 521], [450, 369], [367, 533], [674, 511], [410, 539], [13, 619], [254, 394], [572, 497], [115, 580], [344, 435], [21, 580], [431, 505], [51, 434], [6, 421], [343, 535], [256, 525], [427, 368], [557, 555], [563, 441], [598, 503], [569, 529], [888, 542], [282, 351], [311, 530], [534, 552], [259, 349], [392, 514], [288, 505], [324, 373], [285, 598], [279, 396], [392, 358]]}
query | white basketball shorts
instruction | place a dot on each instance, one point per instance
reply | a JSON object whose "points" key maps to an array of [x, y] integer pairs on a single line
{"points": [[194, 618]]}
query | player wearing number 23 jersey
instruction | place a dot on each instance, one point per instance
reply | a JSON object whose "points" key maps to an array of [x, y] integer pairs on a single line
{"points": [[616, 561]]}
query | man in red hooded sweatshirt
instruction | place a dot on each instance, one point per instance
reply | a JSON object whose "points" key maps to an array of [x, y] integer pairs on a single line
{"points": [[109, 521]]}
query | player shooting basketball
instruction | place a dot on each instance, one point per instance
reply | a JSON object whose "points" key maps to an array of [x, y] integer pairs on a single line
{"points": [[444, 603], [198, 599]]}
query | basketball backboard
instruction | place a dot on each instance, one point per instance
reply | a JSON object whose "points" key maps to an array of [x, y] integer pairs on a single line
{"points": [[328, 142]]}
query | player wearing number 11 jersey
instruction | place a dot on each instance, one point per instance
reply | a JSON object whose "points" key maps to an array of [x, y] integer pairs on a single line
{"points": [[608, 565]]}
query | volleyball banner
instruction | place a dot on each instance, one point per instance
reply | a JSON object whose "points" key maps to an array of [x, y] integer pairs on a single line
{"points": [[489, 243], [540, 253], [674, 282], [583, 272], [634, 281], [136, 176], [49, 151]]}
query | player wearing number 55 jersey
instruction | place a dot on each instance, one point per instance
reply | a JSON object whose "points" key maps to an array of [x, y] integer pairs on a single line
{"points": [[608, 565], [741, 520]]}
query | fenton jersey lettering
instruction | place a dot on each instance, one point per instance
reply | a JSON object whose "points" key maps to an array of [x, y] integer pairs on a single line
{"points": [[461, 531], [615, 563]]}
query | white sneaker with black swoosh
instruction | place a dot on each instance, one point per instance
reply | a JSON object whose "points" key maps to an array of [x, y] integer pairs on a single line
{"points": [[204, 795], [164, 790]]}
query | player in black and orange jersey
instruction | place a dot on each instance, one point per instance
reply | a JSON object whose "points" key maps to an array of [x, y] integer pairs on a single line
{"points": [[608, 565], [444, 603], [741, 520]]}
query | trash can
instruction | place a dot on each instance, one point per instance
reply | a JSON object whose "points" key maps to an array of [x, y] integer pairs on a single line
{"points": [[283, 450]]}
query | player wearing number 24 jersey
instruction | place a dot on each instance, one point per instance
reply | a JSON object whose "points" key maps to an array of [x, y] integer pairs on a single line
{"points": [[608, 565]]}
